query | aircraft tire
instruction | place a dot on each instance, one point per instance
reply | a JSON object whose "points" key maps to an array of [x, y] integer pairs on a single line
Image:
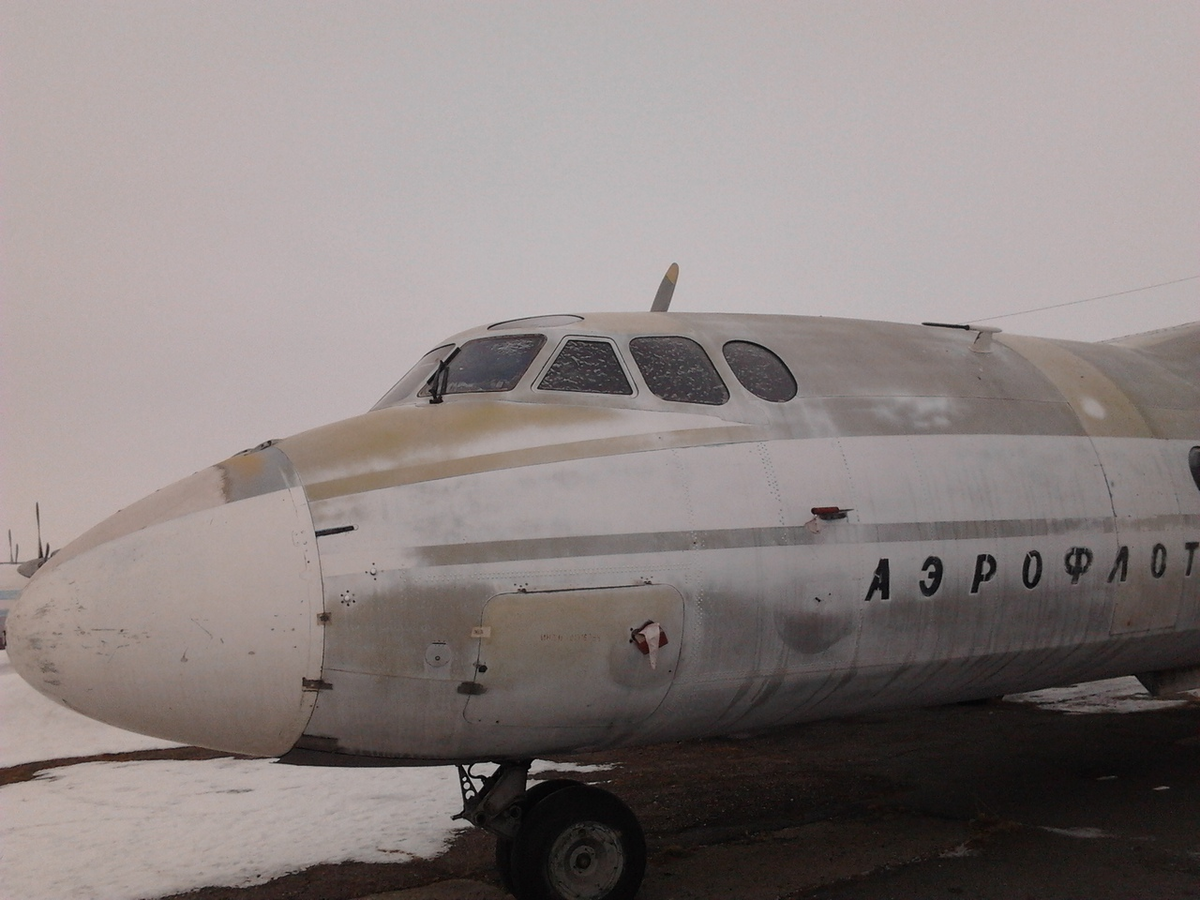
{"points": [[532, 798], [578, 843]]}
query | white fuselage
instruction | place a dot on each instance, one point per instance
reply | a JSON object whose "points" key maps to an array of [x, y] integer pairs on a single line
{"points": [[460, 580]]}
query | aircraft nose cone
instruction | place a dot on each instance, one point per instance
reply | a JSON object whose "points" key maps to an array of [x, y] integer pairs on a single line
{"points": [[189, 616]]}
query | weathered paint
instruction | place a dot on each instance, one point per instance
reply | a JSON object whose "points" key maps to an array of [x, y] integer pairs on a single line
{"points": [[1018, 518], [187, 617], [1102, 407], [394, 447], [580, 639]]}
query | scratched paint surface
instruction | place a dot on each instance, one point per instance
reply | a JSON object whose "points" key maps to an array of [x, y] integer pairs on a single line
{"points": [[1007, 519], [1019, 555]]}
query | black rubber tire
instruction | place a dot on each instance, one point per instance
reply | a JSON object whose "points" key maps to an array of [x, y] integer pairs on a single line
{"points": [[533, 796], [543, 789], [578, 843]]}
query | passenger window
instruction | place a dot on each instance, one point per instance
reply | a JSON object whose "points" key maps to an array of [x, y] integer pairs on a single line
{"points": [[760, 371], [489, 364], [677, 368], [589, 367]]}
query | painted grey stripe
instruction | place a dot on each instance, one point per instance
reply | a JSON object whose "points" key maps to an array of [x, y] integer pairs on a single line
{"points": [[779, 536]]}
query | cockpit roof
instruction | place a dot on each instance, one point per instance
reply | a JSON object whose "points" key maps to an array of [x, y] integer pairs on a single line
{"points": [[836, 368]]}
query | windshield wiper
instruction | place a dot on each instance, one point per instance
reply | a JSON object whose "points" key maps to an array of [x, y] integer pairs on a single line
{"points": [[441, 375]]}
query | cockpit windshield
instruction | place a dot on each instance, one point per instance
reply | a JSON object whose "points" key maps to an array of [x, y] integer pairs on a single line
{"points": [[484, 365], [416, 377], [675, 368], [489, 364]]}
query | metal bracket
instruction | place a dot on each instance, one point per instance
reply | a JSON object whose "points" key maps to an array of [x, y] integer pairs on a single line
{"points": [[490, 802], [983, 340], [983, 336]]}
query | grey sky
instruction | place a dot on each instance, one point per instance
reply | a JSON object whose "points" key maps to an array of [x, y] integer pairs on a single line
{"points": [[224, 222]]}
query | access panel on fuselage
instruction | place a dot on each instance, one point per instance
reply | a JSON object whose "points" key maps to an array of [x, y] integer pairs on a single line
{"points": [[567, 659]]}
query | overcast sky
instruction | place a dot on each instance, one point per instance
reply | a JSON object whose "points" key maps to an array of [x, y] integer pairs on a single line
{"points": [[225, 221]]}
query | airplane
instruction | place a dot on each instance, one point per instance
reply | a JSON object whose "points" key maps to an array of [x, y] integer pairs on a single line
{"points": [[588, 531], [14, 573], [11, 583]]}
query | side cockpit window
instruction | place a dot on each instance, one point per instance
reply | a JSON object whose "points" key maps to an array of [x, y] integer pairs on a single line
{"points": [[416, 377], [480, 366], [760, 371], [677, 368], [589, 367], [488, 365]]}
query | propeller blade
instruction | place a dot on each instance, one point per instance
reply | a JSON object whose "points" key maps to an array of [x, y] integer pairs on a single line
{"points": [[662, 300]]}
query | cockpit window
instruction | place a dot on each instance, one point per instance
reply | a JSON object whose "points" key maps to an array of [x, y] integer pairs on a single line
{"points": [[489, 364], [416, 377], [677, 368], [760, 371], [589, 367]]}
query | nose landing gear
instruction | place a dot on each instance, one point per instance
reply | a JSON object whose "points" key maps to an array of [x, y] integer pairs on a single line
{"points": [[560, 839]]}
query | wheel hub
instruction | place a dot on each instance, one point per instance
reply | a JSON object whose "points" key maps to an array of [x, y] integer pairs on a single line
{"points": [[586, 861]]}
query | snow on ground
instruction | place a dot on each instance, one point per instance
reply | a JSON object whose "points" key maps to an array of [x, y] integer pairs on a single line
{"points": [[144, 829], [34, 728], [1122, 695], [134, 830]]}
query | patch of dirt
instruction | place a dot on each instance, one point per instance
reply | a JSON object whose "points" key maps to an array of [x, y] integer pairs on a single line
{"points": [[28, 771]]}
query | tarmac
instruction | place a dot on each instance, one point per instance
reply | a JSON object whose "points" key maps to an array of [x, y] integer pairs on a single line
{"points": [[990, 801]]}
